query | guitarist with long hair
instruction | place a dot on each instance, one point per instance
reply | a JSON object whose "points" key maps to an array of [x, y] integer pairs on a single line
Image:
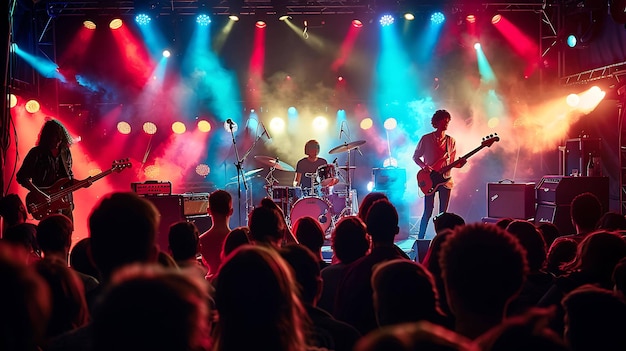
{"points": [[49, 161], [434, 151]]}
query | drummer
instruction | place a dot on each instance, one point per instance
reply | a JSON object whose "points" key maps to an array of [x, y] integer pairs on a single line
{"points": [[308, 165]]}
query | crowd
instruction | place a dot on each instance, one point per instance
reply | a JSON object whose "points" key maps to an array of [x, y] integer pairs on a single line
{"points": [[512, 285]]}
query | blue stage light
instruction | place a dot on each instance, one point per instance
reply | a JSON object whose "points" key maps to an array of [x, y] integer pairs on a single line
{"points": [[386, 20], [203, 20], [142, 19], [437, 18]]}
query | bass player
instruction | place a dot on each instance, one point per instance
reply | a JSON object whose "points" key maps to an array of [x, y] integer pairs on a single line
{"points": [[434, 151]]}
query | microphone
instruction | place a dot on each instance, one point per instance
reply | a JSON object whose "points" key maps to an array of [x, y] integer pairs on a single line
{"points": [[265, 131], [230, 122], [335, 160], [341, 131]]}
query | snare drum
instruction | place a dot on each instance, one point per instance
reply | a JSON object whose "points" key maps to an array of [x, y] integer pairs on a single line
{"points": [[314, 207], [327, 175]]}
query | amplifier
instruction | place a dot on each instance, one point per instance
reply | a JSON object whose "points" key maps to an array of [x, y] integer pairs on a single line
{"points": [[195, 204], [561, 190], [515, 200], [152, 188]]}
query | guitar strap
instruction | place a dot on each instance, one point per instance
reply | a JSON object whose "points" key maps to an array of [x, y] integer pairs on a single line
{"points": [[70, 196]]}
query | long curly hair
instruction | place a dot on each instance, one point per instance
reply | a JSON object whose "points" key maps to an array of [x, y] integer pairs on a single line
{"points": [[51, 129]]}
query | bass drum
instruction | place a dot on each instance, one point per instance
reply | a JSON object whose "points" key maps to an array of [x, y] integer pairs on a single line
{"points": [[314, 207]]}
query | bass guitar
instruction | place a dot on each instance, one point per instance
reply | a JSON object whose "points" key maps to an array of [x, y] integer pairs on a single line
{"points": [[40, 207], [429, 182]]}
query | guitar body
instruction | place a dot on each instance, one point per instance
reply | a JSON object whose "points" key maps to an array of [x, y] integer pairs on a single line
{"points": [[39, 206], [429, 182]]}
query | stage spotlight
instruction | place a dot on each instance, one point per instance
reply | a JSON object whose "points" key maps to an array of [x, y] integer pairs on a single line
{"points": [[91, 25], [277, 124], [149, 128], [477, 46], [32, 106], [203, 19], [142, 19], [203, 170], [572, 40], [320, 123], [340, 79], [123, 127], [386, 20], [261, 24], [115, 23], [470, 19], [12, 100], [390, 123], [495, 19], [409, 16], [178, 127], [166, 53], [233, 17], [357, 23], [370, 186], [204, 126], [152, 172], [437, 17], [366, 123]]}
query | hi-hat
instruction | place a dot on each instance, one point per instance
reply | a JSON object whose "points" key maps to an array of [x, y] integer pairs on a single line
{"points": [[275, 163], [249, 173], [346, 147]]}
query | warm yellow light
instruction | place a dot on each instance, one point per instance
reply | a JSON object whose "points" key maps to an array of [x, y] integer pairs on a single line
{"points": [[123, 127], [32, 106], [115, 23], [12, 100], [178, 127], [91, 25], [390, 123], [366, 123], [204, 126], [149, 128]]}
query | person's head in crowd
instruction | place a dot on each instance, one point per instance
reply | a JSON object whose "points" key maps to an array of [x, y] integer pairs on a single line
{"points": [[306, 270], [595, 319], [287, 234], [416, 300], [183, 241], [152, 308], [166, 260], [25, 305], [532, 241], [420, 336], [309, 233], [431, 262], [447, 220], [612, 221], [504, 222], [237, 237], [256, 292], [382, 222], [349, 239], [123, 229], [69, 307], [22, 238], [550, 232], [598, 254], [529, 331], [266, 226], [54, 235], [368, 201], [619, 278], [585, 211], [483, 268], [560, 253], [80, 258], [220, 204], [12, 210]]}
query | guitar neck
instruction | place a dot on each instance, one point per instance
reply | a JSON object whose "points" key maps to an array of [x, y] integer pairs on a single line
{"points": [[464, 157], [83, 183]]}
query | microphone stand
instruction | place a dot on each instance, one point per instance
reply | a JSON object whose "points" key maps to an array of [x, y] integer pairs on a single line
{"points": [[240, 176]]}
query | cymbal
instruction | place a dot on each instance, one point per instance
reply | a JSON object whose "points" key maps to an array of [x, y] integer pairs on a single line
{"points": [[248, 173], [346, 147], [273, 162]]}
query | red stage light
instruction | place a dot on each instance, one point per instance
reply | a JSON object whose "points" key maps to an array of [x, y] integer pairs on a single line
{"points": [[261, 24]]}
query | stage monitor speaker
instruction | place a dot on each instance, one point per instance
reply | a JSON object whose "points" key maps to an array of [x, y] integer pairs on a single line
{"points": [[515, 200], [559, 215], [172, 209]]}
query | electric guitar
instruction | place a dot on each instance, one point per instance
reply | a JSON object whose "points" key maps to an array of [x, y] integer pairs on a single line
{"points": [[59, 192], [429, 182]]}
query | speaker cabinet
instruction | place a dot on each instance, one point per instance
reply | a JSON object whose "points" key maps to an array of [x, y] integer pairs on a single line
{"points": [[561, 190], [577, 154], [511, 200], [172, 209], [559, 215]]}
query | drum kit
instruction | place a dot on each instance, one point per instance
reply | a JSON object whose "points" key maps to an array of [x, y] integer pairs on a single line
{"points": [[321, 202]]}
